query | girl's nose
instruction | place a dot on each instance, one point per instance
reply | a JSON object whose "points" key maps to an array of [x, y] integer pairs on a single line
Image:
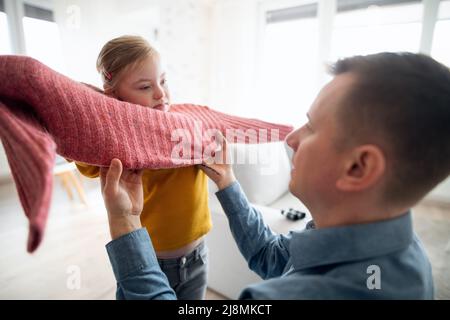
{"points": [[159, 93], [293, 139]]}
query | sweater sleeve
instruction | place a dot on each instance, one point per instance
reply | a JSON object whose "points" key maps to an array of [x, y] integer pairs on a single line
{"points": [[43, 112]]}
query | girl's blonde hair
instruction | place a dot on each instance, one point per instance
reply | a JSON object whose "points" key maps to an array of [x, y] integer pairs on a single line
{"points": [[119, 55]]}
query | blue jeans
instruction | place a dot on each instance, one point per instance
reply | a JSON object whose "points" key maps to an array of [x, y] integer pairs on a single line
{"points": [[188, 274]]}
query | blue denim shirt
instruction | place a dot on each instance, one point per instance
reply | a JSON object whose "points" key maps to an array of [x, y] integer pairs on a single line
{"points": [[382, 260]]}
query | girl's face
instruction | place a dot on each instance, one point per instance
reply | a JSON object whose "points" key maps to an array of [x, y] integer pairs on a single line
{"points": [[145, 84]]}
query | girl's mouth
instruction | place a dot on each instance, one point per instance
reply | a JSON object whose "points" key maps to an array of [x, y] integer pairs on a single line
{"points": [[162, 107]]}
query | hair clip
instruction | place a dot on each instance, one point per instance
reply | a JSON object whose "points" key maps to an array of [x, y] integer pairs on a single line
{"points": [[107, 75]]}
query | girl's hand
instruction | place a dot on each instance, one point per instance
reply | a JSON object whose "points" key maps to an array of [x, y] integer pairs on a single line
{"points": [[123, 196], [219, 168]]}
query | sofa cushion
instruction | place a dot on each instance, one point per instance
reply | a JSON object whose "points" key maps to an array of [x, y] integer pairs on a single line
{"points": [[263, 170], [229, 270]]}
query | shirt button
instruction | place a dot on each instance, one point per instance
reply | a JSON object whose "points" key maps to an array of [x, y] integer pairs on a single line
{"points": [[183, 261]]}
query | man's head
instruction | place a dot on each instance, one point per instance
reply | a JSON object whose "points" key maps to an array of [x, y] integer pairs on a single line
{"points": [[380, 128]]}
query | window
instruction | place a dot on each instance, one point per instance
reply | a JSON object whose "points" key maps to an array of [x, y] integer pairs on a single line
{"points": [[288, 72], [42, 39], [5, 41], [294, 53], [441, 44], [364, 27]]}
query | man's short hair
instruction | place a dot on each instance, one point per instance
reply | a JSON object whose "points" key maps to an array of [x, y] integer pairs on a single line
{"points": [[401, 102]]}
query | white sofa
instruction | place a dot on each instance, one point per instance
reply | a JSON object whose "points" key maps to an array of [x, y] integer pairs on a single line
{"points": [[265, 183]]}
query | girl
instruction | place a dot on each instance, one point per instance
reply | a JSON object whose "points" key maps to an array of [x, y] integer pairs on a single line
{"points": [[176, 212]]}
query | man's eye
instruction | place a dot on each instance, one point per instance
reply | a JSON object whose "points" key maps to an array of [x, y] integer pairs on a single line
{"points": [[145, 88], [164, 82]]}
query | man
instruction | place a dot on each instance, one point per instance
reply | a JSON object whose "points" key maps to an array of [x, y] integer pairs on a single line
{"points": [[377, 141]]}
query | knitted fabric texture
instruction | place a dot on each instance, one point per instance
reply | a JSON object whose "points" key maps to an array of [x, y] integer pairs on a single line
{"points": [[43, 112]]}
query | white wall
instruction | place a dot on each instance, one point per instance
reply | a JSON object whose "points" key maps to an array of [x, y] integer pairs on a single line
{"points": [[234, 57], [178, 28]]}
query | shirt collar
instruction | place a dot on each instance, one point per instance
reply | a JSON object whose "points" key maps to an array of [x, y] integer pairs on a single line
{"points": [[318, 247]]}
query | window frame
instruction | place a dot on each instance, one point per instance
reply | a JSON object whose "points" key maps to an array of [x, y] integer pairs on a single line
{"points": [[15, 11], [327, 10]]}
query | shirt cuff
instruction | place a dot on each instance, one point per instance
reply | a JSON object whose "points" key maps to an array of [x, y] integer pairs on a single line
{"points": [[233, 200], [130, 253]]}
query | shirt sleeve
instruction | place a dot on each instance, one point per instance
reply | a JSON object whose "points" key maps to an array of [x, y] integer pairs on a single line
{"points": [[266, 253], [136, 268]]}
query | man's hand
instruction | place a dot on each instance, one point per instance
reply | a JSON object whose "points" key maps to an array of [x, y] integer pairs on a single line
{"points": [[123, 196], [219, 168]]}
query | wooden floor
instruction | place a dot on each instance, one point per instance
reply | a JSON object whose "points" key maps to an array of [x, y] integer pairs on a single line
{"points": [[74, 244], [76, 235]]}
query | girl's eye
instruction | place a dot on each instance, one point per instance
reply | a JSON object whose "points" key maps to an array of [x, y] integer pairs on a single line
{"points": [[146, 88], [164, 82]]}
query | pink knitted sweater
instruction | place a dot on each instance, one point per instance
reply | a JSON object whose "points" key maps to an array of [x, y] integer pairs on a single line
{"points": [[43, 112]]}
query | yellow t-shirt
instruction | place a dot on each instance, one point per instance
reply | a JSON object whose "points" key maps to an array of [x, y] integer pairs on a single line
{"points": [[176, 210]]}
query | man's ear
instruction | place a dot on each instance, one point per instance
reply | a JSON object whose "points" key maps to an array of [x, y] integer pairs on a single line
{"points": [[365, 166]]}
